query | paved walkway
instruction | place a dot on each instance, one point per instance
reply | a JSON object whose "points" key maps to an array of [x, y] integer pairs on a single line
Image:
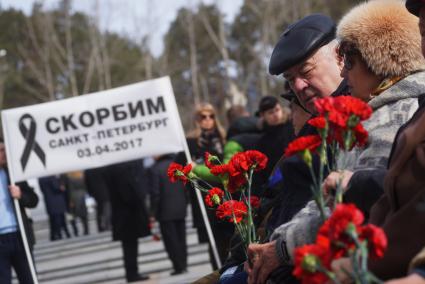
{"points": [[96, 259]]}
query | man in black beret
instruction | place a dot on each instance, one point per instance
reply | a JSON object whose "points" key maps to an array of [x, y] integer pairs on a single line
{"points": [[306, 55]]}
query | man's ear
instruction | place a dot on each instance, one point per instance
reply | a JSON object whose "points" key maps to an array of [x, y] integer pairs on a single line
{"points": [[339, 58]]}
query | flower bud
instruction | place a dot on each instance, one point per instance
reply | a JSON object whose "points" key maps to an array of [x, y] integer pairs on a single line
{"points": [[306, 156], [216, 199], [310, 263]]}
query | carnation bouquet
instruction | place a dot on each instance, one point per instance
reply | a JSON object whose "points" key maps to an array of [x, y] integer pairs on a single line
{"points": [[342, 236], [233, 202]]}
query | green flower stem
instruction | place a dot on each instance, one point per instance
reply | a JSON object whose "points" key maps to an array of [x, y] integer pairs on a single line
{"points": [[197, 178], [317, 194], [328, 273], [362, 272], [195, 184], [323, 162], [252, 234]]}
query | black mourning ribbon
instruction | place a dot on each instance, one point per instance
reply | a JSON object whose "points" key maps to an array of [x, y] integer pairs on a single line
{"points": [[31, 144]]}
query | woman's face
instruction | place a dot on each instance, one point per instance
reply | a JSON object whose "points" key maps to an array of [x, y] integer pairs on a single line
{"points": [[206, 120], [360, 79]]}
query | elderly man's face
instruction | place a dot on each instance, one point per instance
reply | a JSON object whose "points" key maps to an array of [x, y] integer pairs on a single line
{"points": [[422, 28], [316, 77]]}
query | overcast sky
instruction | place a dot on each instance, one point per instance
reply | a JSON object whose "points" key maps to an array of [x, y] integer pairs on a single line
{"points": [[134, 18]]}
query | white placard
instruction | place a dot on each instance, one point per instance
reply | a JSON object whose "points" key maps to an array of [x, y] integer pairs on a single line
{"points": [[93, 130]]}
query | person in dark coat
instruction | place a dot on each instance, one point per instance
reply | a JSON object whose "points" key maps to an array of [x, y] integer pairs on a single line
{"points": [[55, 201], [97, 188], [168, 206], [277, 134], [306, 56], [12, 252], [130, 219]]}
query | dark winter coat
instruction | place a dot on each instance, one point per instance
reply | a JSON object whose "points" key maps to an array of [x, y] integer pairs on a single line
{"points": [[401, 210], [96, 185], [130, 218], [54, 197], [168, 200], [272, 143]]}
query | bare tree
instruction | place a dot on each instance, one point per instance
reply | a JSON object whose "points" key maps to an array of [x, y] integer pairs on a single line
{"points": [[193, 56], [233, 96]]}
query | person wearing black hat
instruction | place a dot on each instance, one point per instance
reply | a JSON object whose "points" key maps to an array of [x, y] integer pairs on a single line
{"points": [[307, 57], [278, 132]]}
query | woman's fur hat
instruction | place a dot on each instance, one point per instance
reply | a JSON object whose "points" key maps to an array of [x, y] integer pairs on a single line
{"points": [[386, 35]]}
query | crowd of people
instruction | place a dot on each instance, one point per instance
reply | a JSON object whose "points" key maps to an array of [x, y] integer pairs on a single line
{"points": [[376, 54]]}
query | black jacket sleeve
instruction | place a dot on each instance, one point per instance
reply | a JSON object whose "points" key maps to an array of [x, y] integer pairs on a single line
{"points": [[29, 198], [365, 188]]}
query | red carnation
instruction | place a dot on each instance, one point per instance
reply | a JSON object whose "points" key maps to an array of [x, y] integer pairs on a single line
{"points": [[255, 201], [238, 164], [214, 197], [335, 228], [339, 220], [324, 105], [318, 122], [207, 160], [219, 170], [309, 142], [236, 182], [376, 240], [310, 260], [210, 160], [177, 172], [349, 105], [232, 210], [360, 134], [256, 159]]}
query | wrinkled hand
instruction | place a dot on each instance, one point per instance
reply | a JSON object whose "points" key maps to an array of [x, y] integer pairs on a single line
{"points": [[331, 181], [411, 279], [264, 260], [342, 267], [15, 191]]}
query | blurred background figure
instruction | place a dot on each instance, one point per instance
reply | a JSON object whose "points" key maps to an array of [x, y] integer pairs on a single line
{"points": [[277, 134], [76, 192], [168, 206], [55, 200], [130, 219], [240, 121], [243, 133], [208, 136], [97, 188]]}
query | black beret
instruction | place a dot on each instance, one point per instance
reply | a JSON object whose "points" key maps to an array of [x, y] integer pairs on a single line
{"points": [[300, 40], [414, 6], [266, 103]]}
